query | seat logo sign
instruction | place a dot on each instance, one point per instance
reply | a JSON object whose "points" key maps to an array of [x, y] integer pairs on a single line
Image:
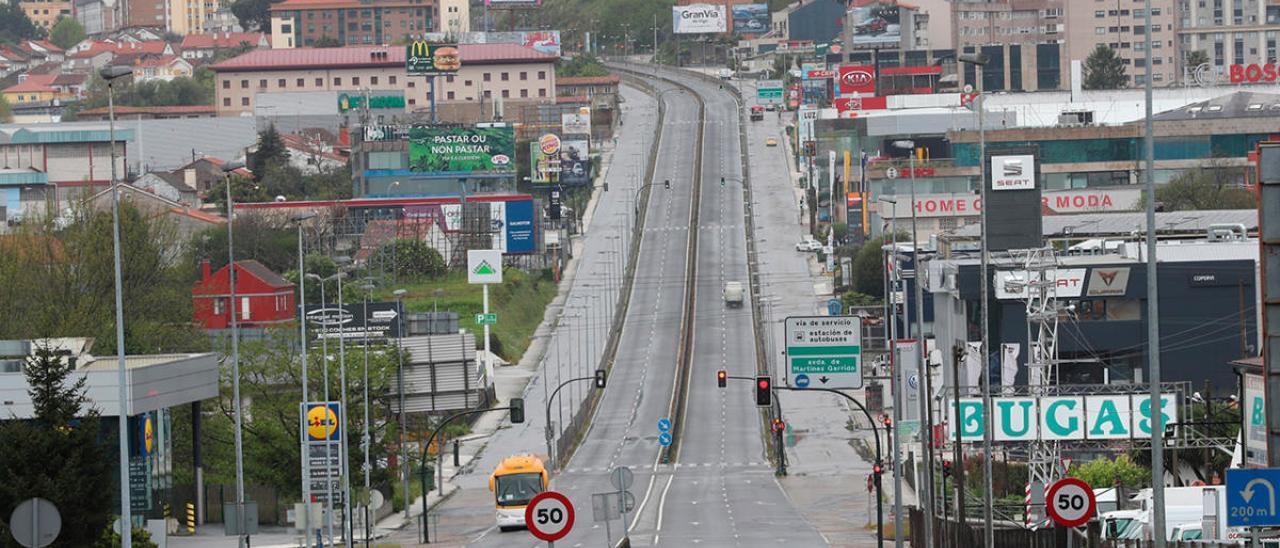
{"points": [[1013, 172]]}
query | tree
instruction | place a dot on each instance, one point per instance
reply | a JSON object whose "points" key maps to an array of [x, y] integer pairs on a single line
{"points": [[1196, 58], [582, 65], [1104, 69], [327, 42], [253, 14], [257, 236], [57, 454], [66, 32], [413, 258], [1102, 473], [15, 26], [1214, 187], [868, 268], [270, 151], [6, 111]]}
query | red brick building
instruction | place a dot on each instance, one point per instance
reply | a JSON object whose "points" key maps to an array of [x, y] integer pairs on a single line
{"points": [[266, 299], [352, 22]]}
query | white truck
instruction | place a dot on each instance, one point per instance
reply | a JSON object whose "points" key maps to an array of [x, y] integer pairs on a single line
{"points": [[733, 294], [1183, 516]]}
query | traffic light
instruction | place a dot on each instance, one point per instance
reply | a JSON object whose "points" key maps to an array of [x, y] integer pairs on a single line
{"points": [[722, 181], [517, 410], [878, 469], [946, 468], [600, 378], [722, 378], [764, 398], [779, 425], [666, 183]]}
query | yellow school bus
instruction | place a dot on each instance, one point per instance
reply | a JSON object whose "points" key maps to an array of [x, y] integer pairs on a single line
{"points": [[515, 482]]}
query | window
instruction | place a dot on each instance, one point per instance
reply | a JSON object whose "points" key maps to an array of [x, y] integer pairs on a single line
{"points": [[487, 77], [410, 84], [1100, 13], [524, 93], [355, 80], [466, 83], [506, 93], [506, 76], [542, 75], [280, 83], [337, 82], [450, 95], [226, 101], [1100, 30], [262, 84], [488, 94], [226, 84], [542, 92], [244, 84], [524, 75], [219, 307], [244, 101]]}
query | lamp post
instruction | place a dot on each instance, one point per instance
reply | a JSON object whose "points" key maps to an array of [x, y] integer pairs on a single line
{"points": [[896, 382], [324, 350], [404, 452], [366, 439], [110, 74], [302, 416], [979, 61], [345, 447], [243, 537]]}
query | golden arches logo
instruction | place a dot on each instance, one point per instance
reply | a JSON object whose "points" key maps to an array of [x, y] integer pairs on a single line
{"points": [[322, 423], [420, 49]]}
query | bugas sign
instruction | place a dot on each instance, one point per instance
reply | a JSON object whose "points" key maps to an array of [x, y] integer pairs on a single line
{"points": [[1120, 416]]}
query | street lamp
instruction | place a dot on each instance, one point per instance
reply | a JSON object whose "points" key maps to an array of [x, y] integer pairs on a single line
{"points": [[110, 74], [243, 537], [404, 452], [897, 382], [302, 417], [979, 62], [324, 349], [366, 439]]}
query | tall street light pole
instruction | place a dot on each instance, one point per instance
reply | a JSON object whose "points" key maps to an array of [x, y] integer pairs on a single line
{"points": [[243, 537], [1153, 307], [110, 74], [324, 361], [366, 438], [922, 368], [302, 415], [404, 452], [345, 448], [897, 380], [979, 61]]}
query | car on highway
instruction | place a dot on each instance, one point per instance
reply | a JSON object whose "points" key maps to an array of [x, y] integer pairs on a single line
{"points": [[514, 483], [771, 142], [808, 245], [771, 107], [733, 294]]}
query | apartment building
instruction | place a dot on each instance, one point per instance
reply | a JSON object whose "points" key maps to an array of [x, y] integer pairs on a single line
{"points": [[45, 13], [1122, 27], [510, 74], [1022, 39], [1230, 32], [301, 23]]}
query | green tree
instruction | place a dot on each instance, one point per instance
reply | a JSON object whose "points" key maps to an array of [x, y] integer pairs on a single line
{"points": [[15, 26], [6, 111], [1103, 69], [1217, 187], [66, 32], [868, 268], [413, 258], [582, 65], [327, 42], [253, 14], [57, 455], [270, 151], [1102, 473], [1196, 58], [258, 237]]}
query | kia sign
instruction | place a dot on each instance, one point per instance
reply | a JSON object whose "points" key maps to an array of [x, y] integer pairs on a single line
{"points": [[857, 79], [699, 19]]}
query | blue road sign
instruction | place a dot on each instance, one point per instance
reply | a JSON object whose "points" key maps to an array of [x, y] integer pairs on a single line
{"points": [[664, 425], [1251, 497], [802, 381], [664, 439], [833, 307]]}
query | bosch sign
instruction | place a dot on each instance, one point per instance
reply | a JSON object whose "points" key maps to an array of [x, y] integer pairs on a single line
{"points": [[857, 79], [1253, 73]]}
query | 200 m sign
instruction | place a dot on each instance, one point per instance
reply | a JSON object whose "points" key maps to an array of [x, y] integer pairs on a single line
{"points": [[1070, 502], [549, 516]]}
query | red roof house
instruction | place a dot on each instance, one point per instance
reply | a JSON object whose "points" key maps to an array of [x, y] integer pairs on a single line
{"points": [[266, 299]]}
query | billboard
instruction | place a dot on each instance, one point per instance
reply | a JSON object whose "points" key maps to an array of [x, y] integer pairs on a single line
{"points": [[423, 57], [857, 79], [542, 41], [544, 159], [517, 235], [876, 25], [751, 18], [1031, 418], [699, 19], [1015, 194], [576, 123], [575, 162], [462, 149], [353, 322], [769, 92]]}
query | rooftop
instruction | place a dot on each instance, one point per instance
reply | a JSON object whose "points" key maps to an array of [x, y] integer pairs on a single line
{"points": [[334, 4], [174, 109], [34, 83], [372, 56], [221, 40], [588, 80], [1241, 104]]}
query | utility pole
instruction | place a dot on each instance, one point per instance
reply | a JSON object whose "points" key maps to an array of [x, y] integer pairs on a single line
{"points": [[1153, 308]]}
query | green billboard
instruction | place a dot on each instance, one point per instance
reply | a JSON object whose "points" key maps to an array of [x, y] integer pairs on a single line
{"points": [[462, 149]]}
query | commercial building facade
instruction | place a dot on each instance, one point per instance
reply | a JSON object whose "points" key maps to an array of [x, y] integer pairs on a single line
{"points": [[351, 22], [1122, 27], [1022, 39]]}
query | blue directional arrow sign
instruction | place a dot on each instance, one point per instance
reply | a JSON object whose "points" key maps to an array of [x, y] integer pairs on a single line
{"points": [[664, 439], [664, 425], [1251, 497], [801, 381]]}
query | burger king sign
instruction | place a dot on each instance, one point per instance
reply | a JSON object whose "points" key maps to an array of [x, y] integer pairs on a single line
{"points": [[857, 79]]}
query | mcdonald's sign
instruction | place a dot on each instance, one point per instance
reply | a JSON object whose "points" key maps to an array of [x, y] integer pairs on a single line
{"points": [[431, 58]]}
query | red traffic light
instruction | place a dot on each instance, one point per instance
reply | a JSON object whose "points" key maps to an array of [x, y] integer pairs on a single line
{"points": [[722, 378], [764, 398], [764, 384], [779, 425], [877, 469]]}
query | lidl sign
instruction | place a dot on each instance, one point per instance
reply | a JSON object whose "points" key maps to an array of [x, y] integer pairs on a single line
{"points": [[1109, 417]]}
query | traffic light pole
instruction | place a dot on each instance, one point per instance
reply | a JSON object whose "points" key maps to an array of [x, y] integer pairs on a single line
{"points": [[877, 468], [599, 377], [517, 412]]}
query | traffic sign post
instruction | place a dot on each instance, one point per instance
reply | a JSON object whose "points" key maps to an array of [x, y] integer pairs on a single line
{"points": [[549, 516], [1251, 497], [824, 352], [1070, 502], [490, 318]]}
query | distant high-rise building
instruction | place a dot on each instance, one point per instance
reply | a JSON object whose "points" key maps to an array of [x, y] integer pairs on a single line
{"points": [[1230, 32], [302, 23], [45, 13], [1022, 39], [1122, 27]]}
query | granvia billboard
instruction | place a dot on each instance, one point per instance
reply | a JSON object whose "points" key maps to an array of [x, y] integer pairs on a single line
{"points": [[462, 149], [751, 18], [876, 25], [699, 19]]}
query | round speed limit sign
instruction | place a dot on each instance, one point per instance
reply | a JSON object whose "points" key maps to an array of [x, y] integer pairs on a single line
{"points": [[1070, 502], [549, 516]]}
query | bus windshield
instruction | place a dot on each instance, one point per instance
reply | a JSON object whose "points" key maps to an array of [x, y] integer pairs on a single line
{"points": [[517, 489]]}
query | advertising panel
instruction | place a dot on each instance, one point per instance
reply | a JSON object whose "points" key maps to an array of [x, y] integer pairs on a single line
{"points": [[1254, 413], [518, 234], [462, 149], [575, 162], [1100, 417], [699, 19], [857, 79], [1013, 172], [543, 41], [353, 321], [849, 107], [423, 57], [576, 123], [544, 156], [876, 25], [1016, 195], [1012, 284], [751, 18], [769, 92], [1108, 282]]}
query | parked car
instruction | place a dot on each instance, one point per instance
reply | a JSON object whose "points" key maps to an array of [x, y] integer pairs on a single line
{"points": [[808, 244]]}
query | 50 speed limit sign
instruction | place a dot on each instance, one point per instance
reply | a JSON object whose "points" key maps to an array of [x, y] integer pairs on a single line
{"points": [[549, 516], [1070, 502]]}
